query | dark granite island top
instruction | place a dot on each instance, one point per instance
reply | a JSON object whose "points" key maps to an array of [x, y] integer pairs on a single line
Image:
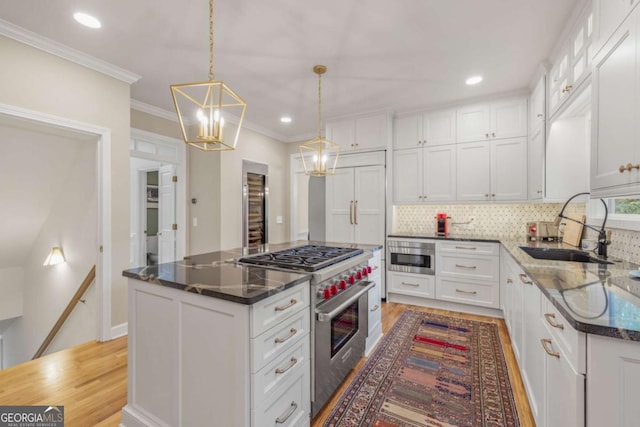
{"points": [[601, 299], [218, 275]]}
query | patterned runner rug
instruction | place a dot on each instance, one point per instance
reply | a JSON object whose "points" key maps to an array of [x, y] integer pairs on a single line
{"points": [[431, 370]]}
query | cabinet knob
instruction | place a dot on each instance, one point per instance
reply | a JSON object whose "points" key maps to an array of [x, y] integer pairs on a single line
{"points": [[540, 115], [539, 192], [493, 134], [567, 88], [486, 135], [486, 195], [493, 194], [419, 142]]}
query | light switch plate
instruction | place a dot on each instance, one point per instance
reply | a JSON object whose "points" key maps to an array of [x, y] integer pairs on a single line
{"points": [[279, 219]]}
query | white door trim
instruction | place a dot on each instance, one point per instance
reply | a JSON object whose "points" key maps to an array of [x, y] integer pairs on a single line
{"points": [[103, 179]]}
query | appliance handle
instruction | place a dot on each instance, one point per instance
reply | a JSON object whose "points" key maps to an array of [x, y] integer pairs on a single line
{"points": [[327, 316], [355, 213], [351, 212]]}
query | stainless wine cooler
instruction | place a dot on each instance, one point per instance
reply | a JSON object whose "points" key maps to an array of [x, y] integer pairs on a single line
{"points": [[255, 194]]}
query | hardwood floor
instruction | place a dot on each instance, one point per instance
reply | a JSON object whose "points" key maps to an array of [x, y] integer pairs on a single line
{"points": [[90, 380]]}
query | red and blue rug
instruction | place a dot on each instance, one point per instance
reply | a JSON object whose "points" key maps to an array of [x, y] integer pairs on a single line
{"points": [[431, 370]]}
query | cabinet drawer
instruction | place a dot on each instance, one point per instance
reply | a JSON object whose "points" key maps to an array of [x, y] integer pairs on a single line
{"points": [[481, 294], [468, 267], [475, 248], [271, 311], [412, 284], [288, 405], [268, 346], [288, 365], [375, 309], [572, 343]]}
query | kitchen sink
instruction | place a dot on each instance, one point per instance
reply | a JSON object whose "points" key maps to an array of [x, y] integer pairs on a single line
{"points": [[555, 254]]}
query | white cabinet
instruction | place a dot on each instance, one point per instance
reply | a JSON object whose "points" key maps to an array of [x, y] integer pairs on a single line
{"points": [[613, 382], [425, 174], [429, 129], [362, 133], [492, 170], [572, 64], [615, 151], [468, 273], [500, 119], [417, 285], [537, 105], [609, 14], [355, 199], [375, 303], [536, 168]]}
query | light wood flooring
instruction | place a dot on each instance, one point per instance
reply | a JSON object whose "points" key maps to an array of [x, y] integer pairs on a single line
{"points": [[90, 380]]}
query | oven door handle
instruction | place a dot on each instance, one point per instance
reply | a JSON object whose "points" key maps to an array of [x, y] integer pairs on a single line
{"points": [[324, 316]]}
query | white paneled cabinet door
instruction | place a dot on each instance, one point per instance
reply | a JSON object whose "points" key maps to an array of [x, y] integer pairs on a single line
{"points": [[565, 392], [559, 80], [537, 105], [536, 164], [407, 132], [533, 357], [371, 132], [509, 169], [343, 134], [407, 175], [473, 123], [439, 128], [615, 108], [369, 205], [439, 173], [609, 14], [473, 171], [340, 206], [509, 118]]}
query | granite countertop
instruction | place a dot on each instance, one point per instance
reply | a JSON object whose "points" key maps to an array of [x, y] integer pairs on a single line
{"points": [[600, 299], [455, 237], [218, 275]]}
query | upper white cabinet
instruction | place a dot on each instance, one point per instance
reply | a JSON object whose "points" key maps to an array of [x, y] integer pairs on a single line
{"points": [[609, 15], [362, 133], [421, 130], [572, 63], [537, 105], [536, 162], [497, 120], [492, 170], [425, 174], [615, 151]]}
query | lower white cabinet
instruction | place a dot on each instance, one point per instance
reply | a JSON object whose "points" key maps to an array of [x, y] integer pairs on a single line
{"points": [[195, 360], [613, 382], [375, 303], [417, 285]]}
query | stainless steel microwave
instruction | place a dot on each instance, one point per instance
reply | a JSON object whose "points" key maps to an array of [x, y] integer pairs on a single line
{"points": [[411, 256]]}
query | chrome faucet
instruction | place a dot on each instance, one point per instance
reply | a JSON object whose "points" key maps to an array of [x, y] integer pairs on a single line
{"points": [[603, 240]]}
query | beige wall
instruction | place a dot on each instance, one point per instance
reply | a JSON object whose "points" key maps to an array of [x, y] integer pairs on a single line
{"points": [[36, 80], [155, 124]]}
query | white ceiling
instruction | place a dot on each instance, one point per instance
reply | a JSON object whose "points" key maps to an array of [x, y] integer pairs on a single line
{"points": [[35, 160], [400, 55]]}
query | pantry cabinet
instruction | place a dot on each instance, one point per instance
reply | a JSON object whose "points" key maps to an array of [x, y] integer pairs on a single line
{"points": [[615, 152], [496, 120], [369, 132], [609, 15], [492, 170], [425, 130], [425, 174]]}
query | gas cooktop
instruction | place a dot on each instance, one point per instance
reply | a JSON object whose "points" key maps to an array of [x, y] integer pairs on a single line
{"points": [[308, 258]]}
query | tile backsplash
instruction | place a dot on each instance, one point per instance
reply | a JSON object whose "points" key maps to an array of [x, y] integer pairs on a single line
{"points": [[506, 220]]}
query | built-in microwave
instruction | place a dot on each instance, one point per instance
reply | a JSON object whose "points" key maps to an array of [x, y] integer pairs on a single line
{"points": [[410, 256]]}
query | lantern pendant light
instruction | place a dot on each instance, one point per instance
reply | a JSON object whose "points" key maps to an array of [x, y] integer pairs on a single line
{"points": [[203, 107], [319, 156]]}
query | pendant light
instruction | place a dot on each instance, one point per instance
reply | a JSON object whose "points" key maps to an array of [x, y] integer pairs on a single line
{"points": [[203, 107], [319, 156]]}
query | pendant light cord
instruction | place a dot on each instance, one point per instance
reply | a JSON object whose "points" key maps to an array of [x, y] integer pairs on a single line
{"points": [[319, 105], [210, 40]]}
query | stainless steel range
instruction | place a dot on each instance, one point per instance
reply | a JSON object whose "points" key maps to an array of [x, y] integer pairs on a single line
{"points": [[339, 298]]}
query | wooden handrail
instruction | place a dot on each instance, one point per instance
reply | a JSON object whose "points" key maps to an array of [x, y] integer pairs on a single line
{"points": [[67, 311]]}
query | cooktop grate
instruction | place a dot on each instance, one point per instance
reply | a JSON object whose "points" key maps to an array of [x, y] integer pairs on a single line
{"points": [[307, 258]]}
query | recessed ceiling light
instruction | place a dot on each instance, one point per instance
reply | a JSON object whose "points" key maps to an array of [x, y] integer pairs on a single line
{"points": [[473, 80], [285, 119], [87, 20]]}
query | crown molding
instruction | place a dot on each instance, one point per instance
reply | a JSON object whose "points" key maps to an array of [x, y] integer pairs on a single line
{"points": [[45, 44], [153, 110]]}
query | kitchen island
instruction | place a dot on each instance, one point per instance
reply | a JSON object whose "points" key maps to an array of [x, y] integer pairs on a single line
{"points": [[213, 341]]}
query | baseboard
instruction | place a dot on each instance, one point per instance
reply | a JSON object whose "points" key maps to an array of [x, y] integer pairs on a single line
{"points": [[119, 330]]}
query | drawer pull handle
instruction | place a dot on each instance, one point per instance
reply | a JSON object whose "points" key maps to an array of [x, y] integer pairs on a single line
{"points": [[292, 332], [375, 307], [509, 280], [468, 248], [469, 267], [545, 343], [289, 366], [411, 284], [282, 420], [284, 307], [460, 291], [551, 320], [523, 278]]}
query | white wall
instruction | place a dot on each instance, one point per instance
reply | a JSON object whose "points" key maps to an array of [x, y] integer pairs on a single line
{"points": [[11, 282], [36, 80], [71, 224]]}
